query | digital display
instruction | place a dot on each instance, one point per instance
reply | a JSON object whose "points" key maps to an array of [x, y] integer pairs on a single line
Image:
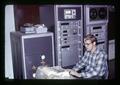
{"points": [[69, 13], [96, 27], [64, 23]]}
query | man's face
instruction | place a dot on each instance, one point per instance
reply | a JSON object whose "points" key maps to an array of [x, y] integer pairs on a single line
{"points": [[89, 45]]}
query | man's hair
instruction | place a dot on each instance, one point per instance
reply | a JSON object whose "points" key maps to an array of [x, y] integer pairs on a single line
{"points": [[91, 37]]}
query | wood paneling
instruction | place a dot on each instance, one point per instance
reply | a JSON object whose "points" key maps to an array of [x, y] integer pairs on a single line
{"points": [[26, 14]]}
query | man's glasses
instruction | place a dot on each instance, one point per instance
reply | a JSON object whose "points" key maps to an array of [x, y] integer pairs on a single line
{"points": [[87, 44]]}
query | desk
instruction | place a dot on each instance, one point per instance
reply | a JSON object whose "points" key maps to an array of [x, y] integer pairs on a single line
{"points": [[55, 72]]}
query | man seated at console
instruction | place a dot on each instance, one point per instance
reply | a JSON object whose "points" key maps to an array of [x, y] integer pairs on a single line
{"points": [[93, 64]]}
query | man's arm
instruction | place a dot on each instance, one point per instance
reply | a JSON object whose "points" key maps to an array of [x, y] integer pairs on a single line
{"points": [[81, 62], [96, 68]]}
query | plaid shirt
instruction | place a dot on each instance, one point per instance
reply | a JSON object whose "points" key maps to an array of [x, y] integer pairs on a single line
{"points": [[95, 64]]}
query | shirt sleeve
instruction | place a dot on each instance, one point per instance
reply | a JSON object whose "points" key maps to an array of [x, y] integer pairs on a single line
{"points": [[81, 62], [96, 68]]}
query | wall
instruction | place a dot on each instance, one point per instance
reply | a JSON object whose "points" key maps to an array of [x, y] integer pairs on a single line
{"points": [[9, 26], [111, 32], [111, 49], [111, 23]]}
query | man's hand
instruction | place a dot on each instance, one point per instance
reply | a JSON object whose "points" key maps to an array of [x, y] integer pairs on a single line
{"points": [[72, 72]]}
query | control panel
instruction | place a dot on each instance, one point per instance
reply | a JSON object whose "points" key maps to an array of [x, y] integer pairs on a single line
{"points": [[69, 34]]}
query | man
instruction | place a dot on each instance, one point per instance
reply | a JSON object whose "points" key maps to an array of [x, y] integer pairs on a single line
{"points": [[94, 61]]}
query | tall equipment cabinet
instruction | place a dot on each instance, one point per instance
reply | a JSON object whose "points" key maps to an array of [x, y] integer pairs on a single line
{"points": [[96, 23]]}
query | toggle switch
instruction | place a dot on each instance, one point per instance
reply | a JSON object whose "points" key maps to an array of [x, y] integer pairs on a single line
{"points": [[34, 68]]}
